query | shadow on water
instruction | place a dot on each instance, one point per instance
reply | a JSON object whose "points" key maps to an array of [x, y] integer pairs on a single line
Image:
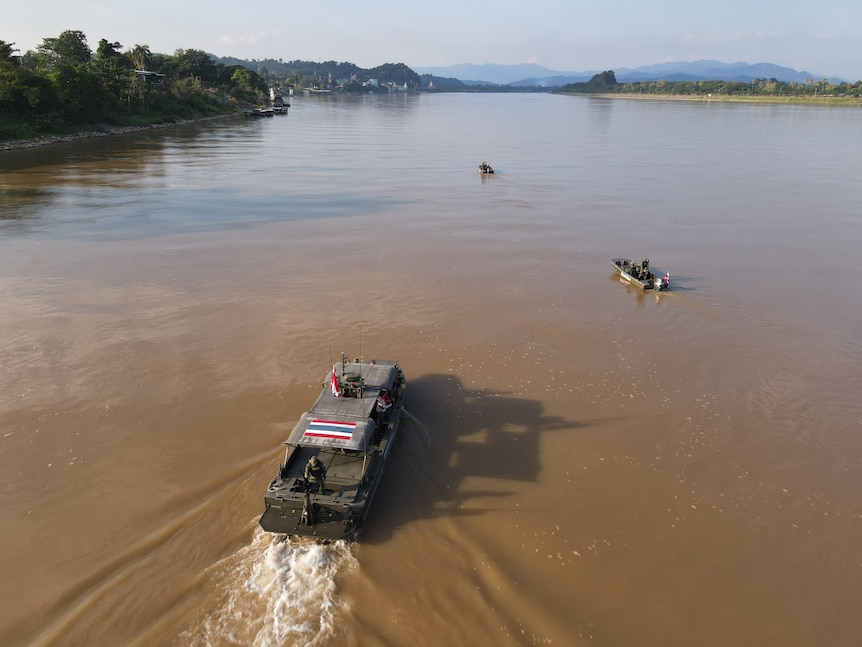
{"points": [[452, 436]]}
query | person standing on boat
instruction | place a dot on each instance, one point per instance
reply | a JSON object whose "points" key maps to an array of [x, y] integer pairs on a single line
{"points": [[384, 405], [315, 471]]}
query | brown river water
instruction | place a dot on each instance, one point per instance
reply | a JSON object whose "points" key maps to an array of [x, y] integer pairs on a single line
{"points": [[582, 463]]}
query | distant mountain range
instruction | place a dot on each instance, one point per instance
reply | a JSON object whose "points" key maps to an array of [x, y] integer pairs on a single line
{"points": [[530, 75]]}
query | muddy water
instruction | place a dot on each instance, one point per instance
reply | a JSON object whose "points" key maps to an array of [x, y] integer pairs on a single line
{"points": [[582, 464]]}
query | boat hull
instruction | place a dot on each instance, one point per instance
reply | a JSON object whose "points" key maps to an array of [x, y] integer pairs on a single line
{"points": [[324, 522]]}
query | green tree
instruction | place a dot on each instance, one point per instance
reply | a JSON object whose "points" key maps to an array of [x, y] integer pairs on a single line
{"points": [[80, 93], [115, 69], [196, 64], [68, 49], [108, 50], [7, 54], [141, 56], [244, 84], [23, 93]]}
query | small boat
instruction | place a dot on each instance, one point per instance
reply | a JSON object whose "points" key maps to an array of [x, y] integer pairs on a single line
{"points": [[485, 168], [639, 274], [350, 430], [257, 112]]}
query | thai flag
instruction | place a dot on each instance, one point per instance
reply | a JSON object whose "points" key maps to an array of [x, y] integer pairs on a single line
{"points": [[331, 429], [333, 383]]}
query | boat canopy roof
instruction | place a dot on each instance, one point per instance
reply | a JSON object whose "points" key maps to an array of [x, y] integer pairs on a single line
{"points": [[344, 422]]}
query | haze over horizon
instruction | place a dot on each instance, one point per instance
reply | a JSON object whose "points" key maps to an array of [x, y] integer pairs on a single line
{"points": [[573, 36]]}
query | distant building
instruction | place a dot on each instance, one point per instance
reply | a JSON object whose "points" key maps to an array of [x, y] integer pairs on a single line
{"points": [[153, 78]]}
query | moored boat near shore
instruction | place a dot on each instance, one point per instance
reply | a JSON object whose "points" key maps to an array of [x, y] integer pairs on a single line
{"points": [[336, 453], [640, 274]]}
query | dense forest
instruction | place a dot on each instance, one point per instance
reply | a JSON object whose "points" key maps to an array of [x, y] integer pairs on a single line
{"points": [[606, 83], [63, 86]]}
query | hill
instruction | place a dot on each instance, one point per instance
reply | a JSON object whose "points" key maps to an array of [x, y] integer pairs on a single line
{"points": [[325, 73], [529, 75]]}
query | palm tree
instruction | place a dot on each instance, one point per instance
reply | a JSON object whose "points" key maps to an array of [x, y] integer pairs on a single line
{"points": [[141, 56]]}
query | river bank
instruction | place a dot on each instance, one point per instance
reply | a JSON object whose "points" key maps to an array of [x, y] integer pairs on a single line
{"points": [[726, 98], [101, 131]]}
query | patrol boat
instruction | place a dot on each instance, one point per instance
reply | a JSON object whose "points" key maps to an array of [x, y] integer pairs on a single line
{"points": [[639, 274], [350, 429]]}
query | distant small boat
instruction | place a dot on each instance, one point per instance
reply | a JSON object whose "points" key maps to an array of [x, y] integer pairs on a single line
{"points": [[486, 168], [639, 274]]}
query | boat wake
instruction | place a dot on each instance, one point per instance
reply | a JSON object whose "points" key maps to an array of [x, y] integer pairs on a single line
{"points": [[275, 591]]}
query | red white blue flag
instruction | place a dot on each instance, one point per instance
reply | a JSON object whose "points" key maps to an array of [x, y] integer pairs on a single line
{"points": [[333, 383], [331, 429]]}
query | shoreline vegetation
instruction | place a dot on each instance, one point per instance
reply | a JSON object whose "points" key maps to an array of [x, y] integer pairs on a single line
{"points": [[65, 91], [724, 98]]}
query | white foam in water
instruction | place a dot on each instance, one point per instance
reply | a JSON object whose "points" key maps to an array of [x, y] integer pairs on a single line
{"points": [[275, 592]]}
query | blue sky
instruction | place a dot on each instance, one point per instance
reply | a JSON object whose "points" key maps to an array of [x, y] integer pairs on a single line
{"points": [[564, 35]]}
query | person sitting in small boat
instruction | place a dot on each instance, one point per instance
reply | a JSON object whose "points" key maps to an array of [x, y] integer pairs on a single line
{"points": [[315, 471]]}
